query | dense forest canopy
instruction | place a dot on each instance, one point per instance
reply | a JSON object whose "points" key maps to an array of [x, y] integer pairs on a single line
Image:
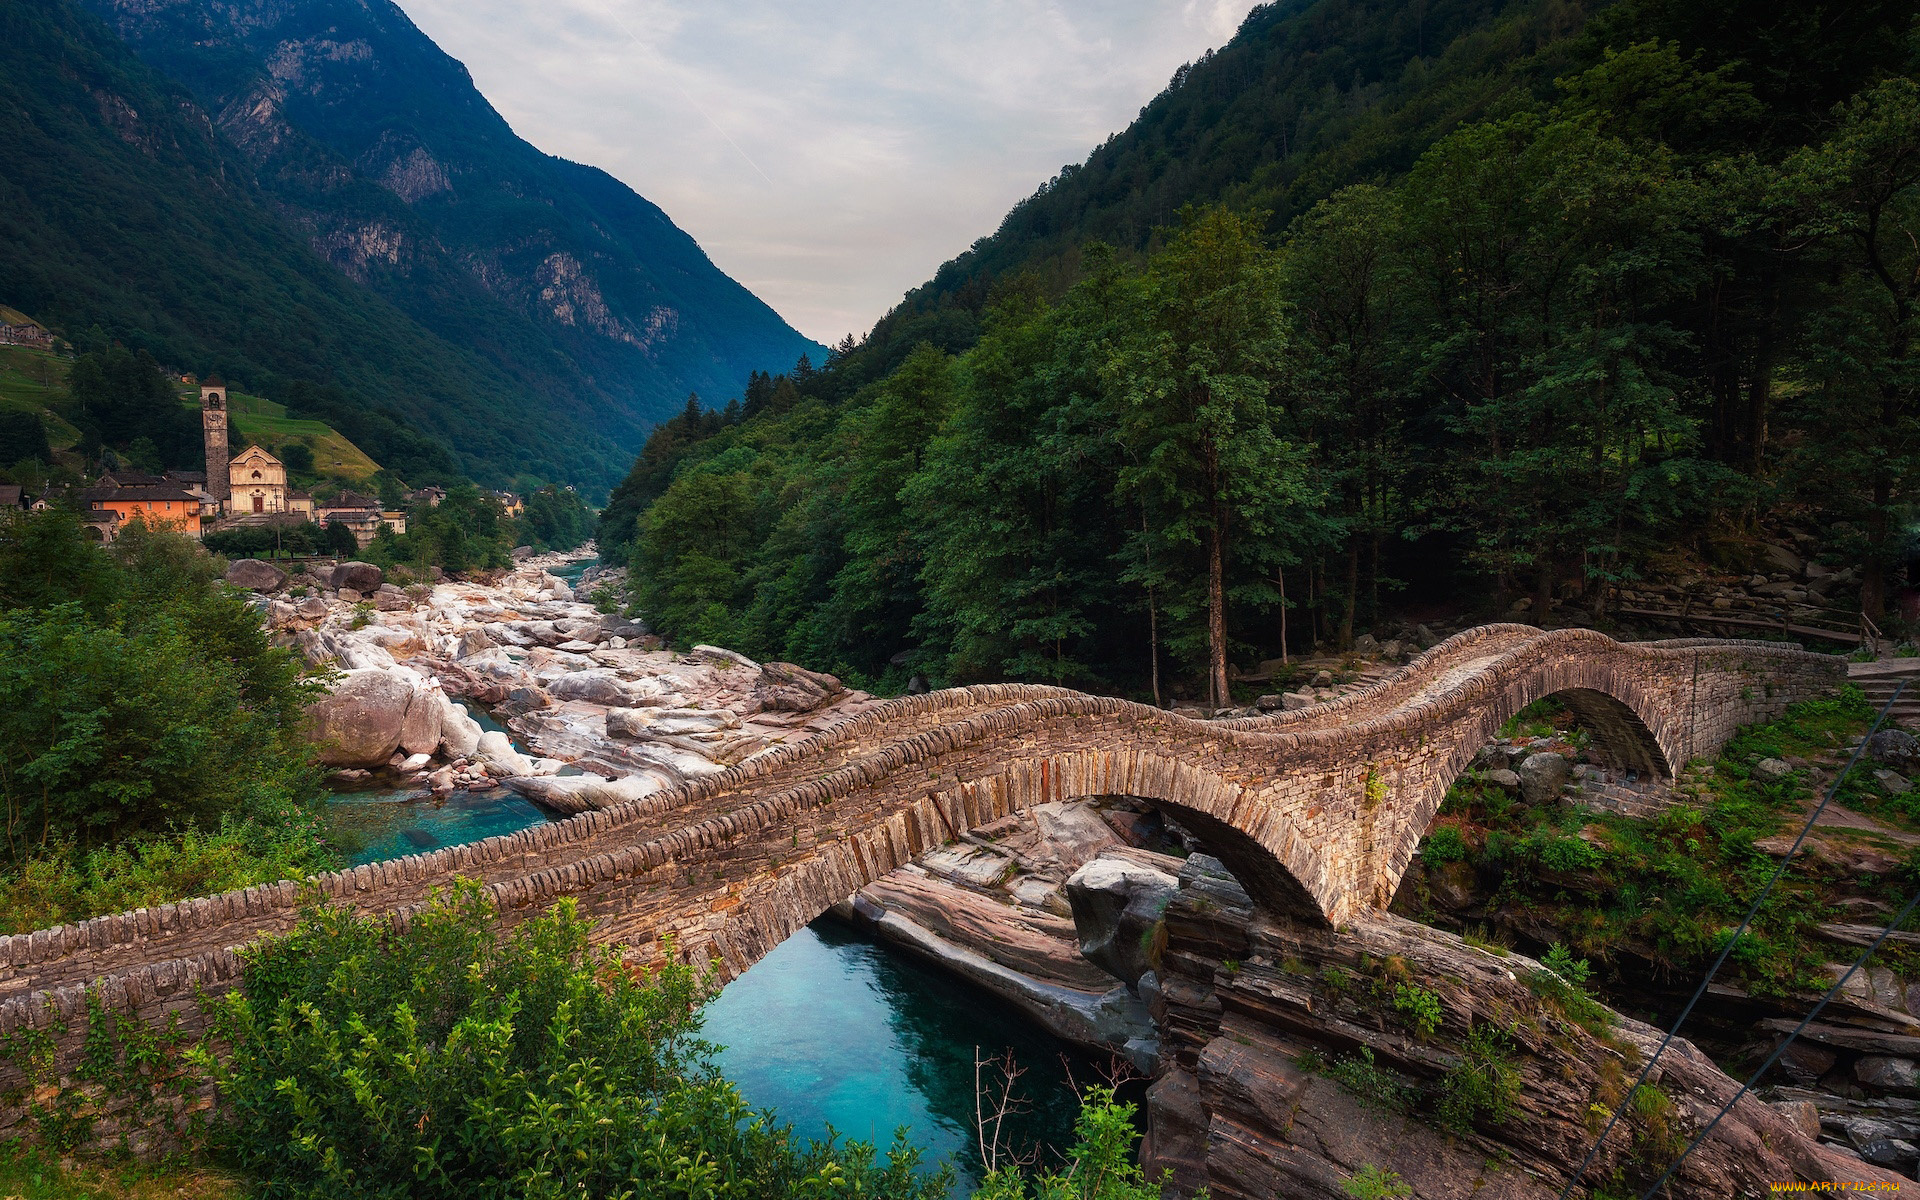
{"points": [[1517, 303]]}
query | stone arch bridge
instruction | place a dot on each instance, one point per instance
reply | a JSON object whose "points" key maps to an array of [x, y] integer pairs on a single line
{"points": [[1317, 811]]}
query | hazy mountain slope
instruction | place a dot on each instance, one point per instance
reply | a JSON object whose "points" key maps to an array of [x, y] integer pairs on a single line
{"points": [[403, 176]]}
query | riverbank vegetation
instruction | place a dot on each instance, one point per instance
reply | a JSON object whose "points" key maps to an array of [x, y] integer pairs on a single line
{"points": [[150, 733], [1653, 298], [1656, 897]]}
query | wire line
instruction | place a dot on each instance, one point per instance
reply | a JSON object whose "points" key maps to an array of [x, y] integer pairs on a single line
{"points": [[1782, 1047], [1728, 948]]}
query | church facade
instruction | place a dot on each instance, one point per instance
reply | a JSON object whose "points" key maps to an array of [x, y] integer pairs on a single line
{"points": [[254, 483]]}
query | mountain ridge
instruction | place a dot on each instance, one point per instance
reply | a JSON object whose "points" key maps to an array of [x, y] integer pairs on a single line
{"points": [[375, 141]]}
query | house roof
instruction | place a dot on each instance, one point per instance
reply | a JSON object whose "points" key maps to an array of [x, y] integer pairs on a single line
{"points": [[9, 495], [125, 479], [187, 476], [97, 494]]}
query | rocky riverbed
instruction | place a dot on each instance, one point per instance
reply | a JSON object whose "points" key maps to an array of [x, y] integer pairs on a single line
{"points": [[583, 688]]}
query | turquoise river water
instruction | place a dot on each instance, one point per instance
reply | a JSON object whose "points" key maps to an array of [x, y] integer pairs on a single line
{"points": [[831, 1030]]}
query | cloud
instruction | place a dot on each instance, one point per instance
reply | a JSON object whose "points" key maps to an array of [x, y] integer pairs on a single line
{"points": [[827, 155]]}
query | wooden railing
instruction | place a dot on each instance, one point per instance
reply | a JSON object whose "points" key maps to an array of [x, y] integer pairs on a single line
{"points": [[1847, 627]]}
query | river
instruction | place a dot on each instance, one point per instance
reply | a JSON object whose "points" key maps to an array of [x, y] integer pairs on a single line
{"points": [[831, 1030]]}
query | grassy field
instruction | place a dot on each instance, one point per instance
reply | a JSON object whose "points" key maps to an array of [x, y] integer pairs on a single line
{"points": [[266, 422], [36, 381]]}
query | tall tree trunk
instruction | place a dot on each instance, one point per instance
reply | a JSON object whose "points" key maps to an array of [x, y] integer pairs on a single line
{"points": [[1542, 587], [1217, 609], [1760, 386], [1353, 593], [1873, 572], [1280, 576], [1153, 608]]}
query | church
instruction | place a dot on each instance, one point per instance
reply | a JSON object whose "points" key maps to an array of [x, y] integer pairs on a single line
{"points": [[255, 482]]}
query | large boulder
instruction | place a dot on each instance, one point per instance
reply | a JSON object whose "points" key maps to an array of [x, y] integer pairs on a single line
{"points": [[497, 749], [459, 732], [1541, 776], [596, 685], [256, 576], [420, 729], [360, 722], [1895, 748], [783, 687], [361, 577], [1071, 832], [1116, 904]]}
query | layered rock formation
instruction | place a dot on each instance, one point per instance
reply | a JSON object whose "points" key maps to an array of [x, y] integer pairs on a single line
{"points": [[1298, 1057]]}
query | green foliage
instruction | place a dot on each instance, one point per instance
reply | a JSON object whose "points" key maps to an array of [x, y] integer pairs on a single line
{"points": [[1444, 845], [555, 519], [121, 400], [451, 1060], [60, 884], [1419, 1007], [466, 531], [1671, 888], [1536, 336], [37, 1173], [135, 695], [1374, 1085], [1100, 1166], [1375, 1183], [1560, 960], [1484, 1086]]}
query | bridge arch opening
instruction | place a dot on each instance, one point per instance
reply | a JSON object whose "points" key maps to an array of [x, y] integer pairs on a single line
{"points": [[1617, 762]]}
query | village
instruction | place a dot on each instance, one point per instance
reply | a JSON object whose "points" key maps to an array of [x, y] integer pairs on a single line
{"points": [[254, 491]]}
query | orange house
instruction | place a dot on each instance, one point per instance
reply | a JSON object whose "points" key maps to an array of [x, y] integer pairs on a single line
{"points": [[159, 507]]}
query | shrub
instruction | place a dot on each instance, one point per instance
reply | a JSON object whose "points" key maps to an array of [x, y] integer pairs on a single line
{"points": [[1374, 1085], [1420, 1007], [449, 1060], [1484, 1085], [1444, 845], [153, 869], [1099, 1167], [1374, 1183]]}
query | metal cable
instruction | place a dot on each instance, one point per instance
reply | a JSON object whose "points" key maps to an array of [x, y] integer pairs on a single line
{"points": [[1727, 949], [1782, 1047]]}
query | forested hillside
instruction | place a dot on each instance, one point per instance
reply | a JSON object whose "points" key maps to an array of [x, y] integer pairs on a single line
{"points": [[1478, 303], [122, 208], [380, 150], [128, 214]]}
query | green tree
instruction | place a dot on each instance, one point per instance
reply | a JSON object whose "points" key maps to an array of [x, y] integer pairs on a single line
{"points": [[1194, 387], [1858, 192], [135, 695]]}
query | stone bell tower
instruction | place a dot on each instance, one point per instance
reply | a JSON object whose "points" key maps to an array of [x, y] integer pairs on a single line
{"points": [[213, 419]]}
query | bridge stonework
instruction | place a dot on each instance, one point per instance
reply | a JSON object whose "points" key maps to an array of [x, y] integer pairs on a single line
{"points": [[1318, 811]]}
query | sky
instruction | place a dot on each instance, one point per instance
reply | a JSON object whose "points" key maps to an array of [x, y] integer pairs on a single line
{"points": [[829, 156]]}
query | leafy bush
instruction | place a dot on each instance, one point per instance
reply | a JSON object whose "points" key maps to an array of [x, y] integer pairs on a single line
{"points": [[1099, 1167], [1484, 1085], [136, 696], [1444, 845], [153, 869], [1420, 1007], [450, 1060], [1374, 1085]]}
